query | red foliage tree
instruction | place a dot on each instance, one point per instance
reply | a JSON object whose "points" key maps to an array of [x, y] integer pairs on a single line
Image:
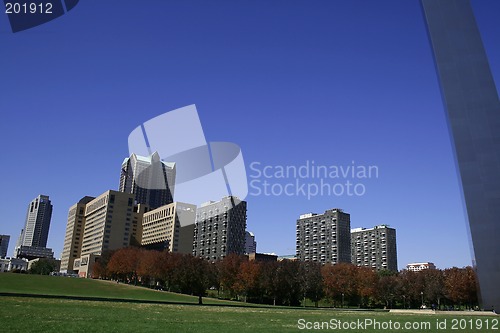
{"points": [[340, 281], [124, 263], [247, 278], [228, 269]]}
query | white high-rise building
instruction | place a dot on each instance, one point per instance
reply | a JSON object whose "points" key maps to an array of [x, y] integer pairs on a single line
{"points": [[34, 236]]}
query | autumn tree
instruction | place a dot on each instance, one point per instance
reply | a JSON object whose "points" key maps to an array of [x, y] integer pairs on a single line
{"points": [[248, 278], [168, 263], [367, 280], [124, 263], [340, 281], [228, 270], [149, 266], [100, 270], [460, 285]]}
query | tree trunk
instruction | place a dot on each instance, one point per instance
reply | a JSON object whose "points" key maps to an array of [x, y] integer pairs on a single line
{"points": [[200, 300]]}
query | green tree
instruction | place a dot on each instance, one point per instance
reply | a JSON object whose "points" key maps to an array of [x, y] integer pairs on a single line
{"points": [[312, 281], [43, 266]]}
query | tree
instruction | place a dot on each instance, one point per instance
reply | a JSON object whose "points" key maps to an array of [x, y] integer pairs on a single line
{"points": [[433, 280], [387, 286], [100, 270], [312, 281], [340, 281], [124, 263], [411, 287], [248, 278], [168, 269], [149, 266], [268, 281], [367, 280], [43, 266], [460, 285], [289, 282], [228, 268]]}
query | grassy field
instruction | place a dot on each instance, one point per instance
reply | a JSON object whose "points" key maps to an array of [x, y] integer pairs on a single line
{"points": [[31, 314], [65, 286]]}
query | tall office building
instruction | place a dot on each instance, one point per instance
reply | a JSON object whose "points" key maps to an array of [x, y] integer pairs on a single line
{"points": [[220, 228], [151, 180], [375, 248], [324, 238], [107, 224], [250, 243], [169, 227], [36, 228], [74, 234], [33, 239], [4, 245]]}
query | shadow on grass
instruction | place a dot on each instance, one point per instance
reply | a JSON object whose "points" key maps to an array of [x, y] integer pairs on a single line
{"points": [[139, 301], [135, 301]]}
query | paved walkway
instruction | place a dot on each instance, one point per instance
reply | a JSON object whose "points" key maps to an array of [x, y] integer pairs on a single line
{"points": [[456, 313]]}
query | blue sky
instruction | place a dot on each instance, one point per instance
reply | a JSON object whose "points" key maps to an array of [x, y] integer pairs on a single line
{"points": [[288, 81]]}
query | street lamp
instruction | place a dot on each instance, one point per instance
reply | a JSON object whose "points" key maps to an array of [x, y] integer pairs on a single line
{"points": [[422, 294], [342, 300], [404, 301]]}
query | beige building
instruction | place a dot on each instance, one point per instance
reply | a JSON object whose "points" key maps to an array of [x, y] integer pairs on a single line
{"points": [[139, 211], [108, 222], [84, 265], [169, 227], [74, 234]]}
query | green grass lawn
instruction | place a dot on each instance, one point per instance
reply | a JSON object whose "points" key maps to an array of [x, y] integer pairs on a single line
{"points": [[65, 286], [30, 314]]}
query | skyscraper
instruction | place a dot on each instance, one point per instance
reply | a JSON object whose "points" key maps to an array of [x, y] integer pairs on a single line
{"points": [[374, 247], [324, 238], [33, 239], [149, 178], [36, 228], [74, 234], [4, 245], [220, 228], [32, 242]]}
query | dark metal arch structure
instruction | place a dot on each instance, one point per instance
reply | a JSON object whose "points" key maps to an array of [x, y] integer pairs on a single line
{"points": [[473, 112]]}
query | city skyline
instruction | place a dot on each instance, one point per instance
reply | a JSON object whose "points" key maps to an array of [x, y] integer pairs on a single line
{"points": [[304, 83]]}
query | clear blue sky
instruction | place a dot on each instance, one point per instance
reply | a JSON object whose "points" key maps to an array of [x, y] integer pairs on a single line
{"points": [[289, 81]]}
